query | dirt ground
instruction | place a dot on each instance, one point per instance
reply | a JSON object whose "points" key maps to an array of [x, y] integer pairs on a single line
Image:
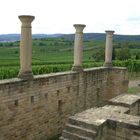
{"points": [[134, 83]]}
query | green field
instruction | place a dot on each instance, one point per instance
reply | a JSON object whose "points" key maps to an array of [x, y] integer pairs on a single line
{"points": [[56, 54]]}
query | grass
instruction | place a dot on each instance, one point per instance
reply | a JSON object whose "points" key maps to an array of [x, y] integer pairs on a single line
{"points": [[134, 90], [134, 75]]}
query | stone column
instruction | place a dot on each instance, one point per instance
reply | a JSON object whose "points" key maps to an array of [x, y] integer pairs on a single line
{"points": [[26, 47], [78, 47], [108, 49]]}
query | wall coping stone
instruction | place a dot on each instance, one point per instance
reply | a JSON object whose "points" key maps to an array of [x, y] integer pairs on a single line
{"points": [[54, 74], [125, 99], [14, 80], [97, 116], [108, 114]]}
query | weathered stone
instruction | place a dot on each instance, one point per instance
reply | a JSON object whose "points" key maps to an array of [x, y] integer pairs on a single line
{"points": [[108, 49], [38, 109], [110, 122], [26, 48], [78, 47]]}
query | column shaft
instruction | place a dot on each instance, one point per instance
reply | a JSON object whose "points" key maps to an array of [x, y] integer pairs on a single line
{"points": [[108, 49], [26, 48], [78, 47]]}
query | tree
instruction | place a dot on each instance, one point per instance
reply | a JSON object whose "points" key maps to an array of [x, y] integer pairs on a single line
{"points": [[123, 53], [99, 54], [137, 57], [113, 54]]}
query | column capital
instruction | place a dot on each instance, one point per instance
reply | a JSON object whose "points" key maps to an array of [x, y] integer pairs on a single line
{"points": [[109, 32], [26, 20], [79, 27]]}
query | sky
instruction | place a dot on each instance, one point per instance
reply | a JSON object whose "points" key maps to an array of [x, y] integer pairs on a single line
{"points": [[58, 16]]}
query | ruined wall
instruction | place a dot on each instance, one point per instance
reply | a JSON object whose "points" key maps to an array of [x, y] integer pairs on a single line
{"points": [[124, 126], [37, 109], [119, 120], [129, 130]]}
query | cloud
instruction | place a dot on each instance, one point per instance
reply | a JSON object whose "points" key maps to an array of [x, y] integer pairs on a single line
{"points": [[53, 16], [134, 19]]}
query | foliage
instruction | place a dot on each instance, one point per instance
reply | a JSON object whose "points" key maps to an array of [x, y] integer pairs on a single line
{"points": [[56, 55], [123, 53], [132, 65], [113, 54], [12, 71], [8, 72], [134, 90], [99, 54]]}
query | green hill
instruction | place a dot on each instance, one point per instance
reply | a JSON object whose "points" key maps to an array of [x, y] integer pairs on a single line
{"points": [[87, 36], [102, 36], [56, 54]]}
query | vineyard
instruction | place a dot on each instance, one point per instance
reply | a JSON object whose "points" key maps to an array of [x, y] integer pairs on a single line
{"points": [[39, 68], [56, 55]]}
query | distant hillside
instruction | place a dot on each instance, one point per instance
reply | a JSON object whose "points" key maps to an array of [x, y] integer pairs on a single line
{"points": [[16, 37], [9, 37], [87, 36], [102, 36]]}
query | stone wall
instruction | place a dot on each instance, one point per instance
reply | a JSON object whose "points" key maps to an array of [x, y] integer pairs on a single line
{"points": [[115, 121], [38, 109]]}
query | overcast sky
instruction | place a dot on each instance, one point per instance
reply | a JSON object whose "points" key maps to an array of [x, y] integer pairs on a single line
{"points": [[58, 16]]}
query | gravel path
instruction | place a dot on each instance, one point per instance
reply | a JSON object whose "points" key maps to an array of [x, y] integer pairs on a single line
{"points": [[134, 83]]}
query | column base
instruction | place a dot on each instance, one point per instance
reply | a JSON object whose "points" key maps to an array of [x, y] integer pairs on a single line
{"points": [[108, 65], [27, 75], [77, 68]]}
